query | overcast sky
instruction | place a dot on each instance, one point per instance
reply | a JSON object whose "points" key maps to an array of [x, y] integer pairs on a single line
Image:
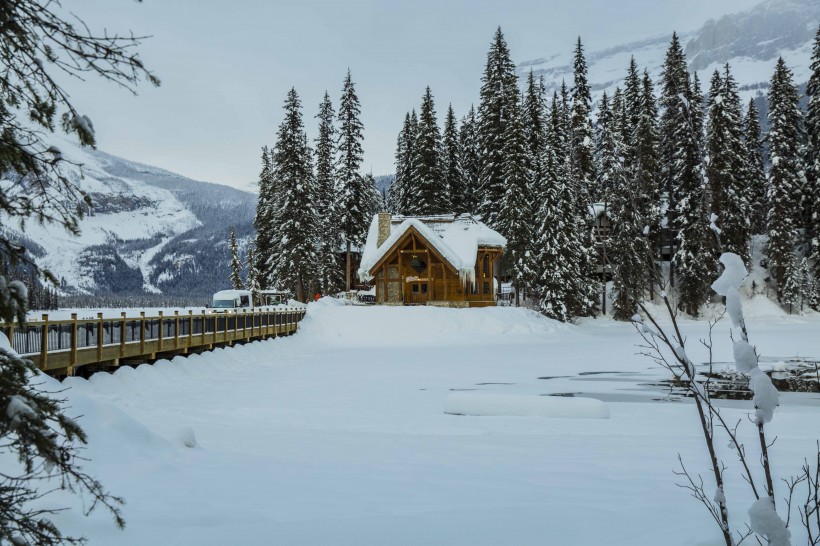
{"points": [[226, 66]]}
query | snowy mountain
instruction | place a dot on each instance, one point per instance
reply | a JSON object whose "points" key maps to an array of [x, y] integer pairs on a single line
{"points": [[750, 41], [150, 231]]}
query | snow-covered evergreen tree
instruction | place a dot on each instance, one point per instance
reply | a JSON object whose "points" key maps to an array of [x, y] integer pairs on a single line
{"points": [[754, 174], [470, 162], [812, 191], [582, 169], [451, 164], [785, 136], [329, 243], [493, 116], [536, 132], [556, 234], [645, 177], [353, 197], [682, 177], [252, 279], [266, 207], [236, 265], [516, 217], [401, 189], [293, 264], [431, 195], [728, 191]]}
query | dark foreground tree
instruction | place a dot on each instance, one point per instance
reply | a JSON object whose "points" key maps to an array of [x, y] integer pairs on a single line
{"points": [[37, 48]]}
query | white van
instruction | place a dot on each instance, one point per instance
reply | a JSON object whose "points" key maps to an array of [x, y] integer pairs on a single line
{"points": [[231, 301]]}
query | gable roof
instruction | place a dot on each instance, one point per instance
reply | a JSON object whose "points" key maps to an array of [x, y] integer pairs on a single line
{"points": [[455, 238]]}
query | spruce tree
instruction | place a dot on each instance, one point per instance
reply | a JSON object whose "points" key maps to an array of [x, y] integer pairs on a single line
{"points": [[535, 131], [515, 217], [493, 116], [431, 196], [329, 243], [728, 191], [470, 161], [401, 188], [682, 177], [266, 207], [753, 171], [353, 197], [812, 161], [294, 262], [452, 167], [556, 237], [582, 169], [252, 279], [784, 180], [236, 265], [644, 175]]}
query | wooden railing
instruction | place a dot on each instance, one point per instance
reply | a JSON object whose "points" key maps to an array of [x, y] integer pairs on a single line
{"points": [[60, 346]]}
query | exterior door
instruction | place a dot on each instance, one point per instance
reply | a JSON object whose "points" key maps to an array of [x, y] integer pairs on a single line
{"points": [[416, 291]]}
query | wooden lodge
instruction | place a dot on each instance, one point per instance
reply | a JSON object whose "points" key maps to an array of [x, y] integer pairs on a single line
{"points": [[444, 260]]}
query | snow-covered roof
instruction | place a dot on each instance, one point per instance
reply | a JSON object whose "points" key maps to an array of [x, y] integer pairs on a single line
{"points": [[456, 238], [230, 294]]}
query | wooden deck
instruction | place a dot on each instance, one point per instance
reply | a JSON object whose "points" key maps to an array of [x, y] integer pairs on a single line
{"points": [[60, 347]]}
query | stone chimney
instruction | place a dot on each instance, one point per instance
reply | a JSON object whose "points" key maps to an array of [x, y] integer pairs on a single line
{"points": [[384, 227]]}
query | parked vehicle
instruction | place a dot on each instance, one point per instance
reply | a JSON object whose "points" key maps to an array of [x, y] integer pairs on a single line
{"points": [[269, 298], [231, 301]]}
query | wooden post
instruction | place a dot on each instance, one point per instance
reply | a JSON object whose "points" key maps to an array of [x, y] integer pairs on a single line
{"points": [[99, 336], [142, 332], [73, 358], [176, 329], [44, 344], [122, 335], [191, 328], [160, 331]]}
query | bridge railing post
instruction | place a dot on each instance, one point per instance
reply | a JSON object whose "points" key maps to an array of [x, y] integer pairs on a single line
{"points": [[73, 350], [99, 336], [122, 334], [44, 344], [142, 332], [191, 327], [160, 331]]}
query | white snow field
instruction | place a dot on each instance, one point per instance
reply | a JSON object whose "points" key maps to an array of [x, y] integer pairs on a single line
{"points": [[345, 434]]}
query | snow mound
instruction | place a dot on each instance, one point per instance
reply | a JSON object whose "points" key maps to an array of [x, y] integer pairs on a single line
{"points": [[520, 405], [409, 326]]}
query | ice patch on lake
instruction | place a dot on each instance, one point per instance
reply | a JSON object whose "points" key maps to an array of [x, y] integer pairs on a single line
{"points": [[520, 405]]}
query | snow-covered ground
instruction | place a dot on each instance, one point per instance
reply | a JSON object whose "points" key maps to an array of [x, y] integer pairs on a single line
{"points": [[384, 425]]}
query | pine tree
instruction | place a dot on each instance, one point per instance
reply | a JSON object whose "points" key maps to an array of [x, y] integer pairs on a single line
{"points": [[582, 169], [753, 172], [329, 274], [294, 263], [682, 177], [354, 197], [431, 196], [252, 279], [470, 161], [452, 167], [536, 131], [236, 265], [266, 208], [402, 187], [493, 116], [515, 217], [556, 234], [812, 161], [727, 189], [644, 174], [784, 180]]}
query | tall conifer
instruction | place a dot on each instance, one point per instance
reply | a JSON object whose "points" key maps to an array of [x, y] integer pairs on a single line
{"points": [[452, 167], [753, 171], [354, 197], [784, 139], [236, 265], [431, 196], [329, 243], [813, 159], [470, 161]]}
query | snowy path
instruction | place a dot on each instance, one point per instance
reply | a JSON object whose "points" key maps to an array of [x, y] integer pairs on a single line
{"points": [[338, 436]]}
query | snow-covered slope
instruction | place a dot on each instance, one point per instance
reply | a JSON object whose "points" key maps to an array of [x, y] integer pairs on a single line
{"points": [[149, 231], [750, 41]]}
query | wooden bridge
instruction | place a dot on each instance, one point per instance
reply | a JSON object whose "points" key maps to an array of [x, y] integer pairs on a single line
{"points": [[60, 347]]}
